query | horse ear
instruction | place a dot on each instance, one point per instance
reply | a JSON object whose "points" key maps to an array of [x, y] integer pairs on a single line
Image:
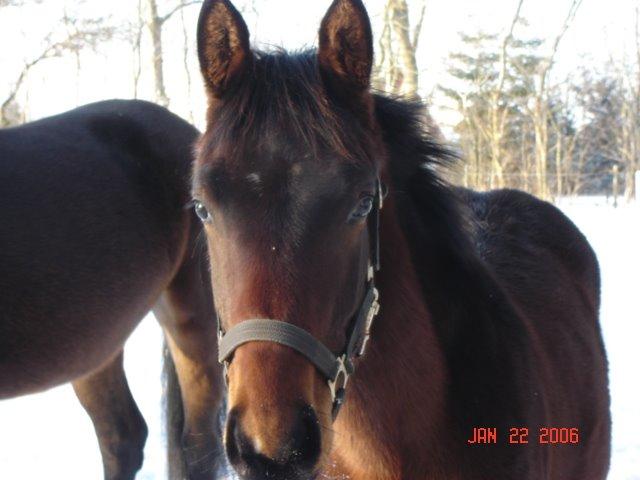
{"points": [[223, 45], [345, 51]]}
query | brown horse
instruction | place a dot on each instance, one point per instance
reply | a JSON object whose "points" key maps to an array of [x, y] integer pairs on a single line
{"points": [[489, 301], [94, 234]]}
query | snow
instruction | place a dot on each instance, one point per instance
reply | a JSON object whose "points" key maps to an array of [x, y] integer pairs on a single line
{"points": [[48, 435], [614, 234]]}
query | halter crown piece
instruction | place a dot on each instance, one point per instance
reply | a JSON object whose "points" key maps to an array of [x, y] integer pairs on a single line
{"points": [[335, 368]]}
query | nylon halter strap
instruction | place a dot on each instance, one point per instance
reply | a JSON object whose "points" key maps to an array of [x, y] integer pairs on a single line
{"points": [[335, 368]]}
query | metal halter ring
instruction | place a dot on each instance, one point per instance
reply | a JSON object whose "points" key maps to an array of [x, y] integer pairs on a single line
{"points": [[338, 389], [225, 373], [371, 314], [342, 372]]}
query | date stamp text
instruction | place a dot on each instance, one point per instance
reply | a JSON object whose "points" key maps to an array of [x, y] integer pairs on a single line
{"points": [[523, 436]]}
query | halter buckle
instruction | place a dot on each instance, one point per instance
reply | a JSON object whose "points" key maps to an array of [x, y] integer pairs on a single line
{"points": [[342, 373], [371, 314], [338, 389], [225, 373]]}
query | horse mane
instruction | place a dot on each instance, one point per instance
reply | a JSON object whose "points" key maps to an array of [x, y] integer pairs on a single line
{"points": [[473, 319], [417, 162], [429, 209], [283, 92]]}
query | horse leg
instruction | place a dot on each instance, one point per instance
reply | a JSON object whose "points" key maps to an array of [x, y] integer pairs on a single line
{"points": [[120, 428], [185, 312]]}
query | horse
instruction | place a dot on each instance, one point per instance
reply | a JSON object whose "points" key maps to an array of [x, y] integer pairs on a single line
{"points": [[322, 203], [94, 234]]}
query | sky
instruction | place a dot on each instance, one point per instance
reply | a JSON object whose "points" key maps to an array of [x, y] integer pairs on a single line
{"points": [[602, 30]]}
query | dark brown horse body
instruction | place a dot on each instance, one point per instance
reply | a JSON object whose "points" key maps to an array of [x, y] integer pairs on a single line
{"points": [[489, 301], [93, 232]]}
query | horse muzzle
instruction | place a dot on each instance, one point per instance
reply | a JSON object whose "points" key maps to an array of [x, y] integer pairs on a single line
{"points": [[296, 459]]}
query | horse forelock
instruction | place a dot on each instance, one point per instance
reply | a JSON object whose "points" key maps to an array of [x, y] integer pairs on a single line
{"points": [[282, 101]]}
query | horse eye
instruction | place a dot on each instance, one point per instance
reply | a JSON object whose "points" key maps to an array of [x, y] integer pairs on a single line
{"points": [[363, 208], [201, 211]]}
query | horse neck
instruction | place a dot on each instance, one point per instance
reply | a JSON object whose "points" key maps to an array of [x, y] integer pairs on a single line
{"points": [[397, 394], [447, 327], [410, 402]]}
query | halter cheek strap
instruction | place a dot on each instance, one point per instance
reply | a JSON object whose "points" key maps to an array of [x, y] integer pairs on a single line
{"points": [[335, 368]]}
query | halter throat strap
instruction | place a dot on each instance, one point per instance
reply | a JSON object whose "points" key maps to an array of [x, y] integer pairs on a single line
{"points": [[335, 368]]}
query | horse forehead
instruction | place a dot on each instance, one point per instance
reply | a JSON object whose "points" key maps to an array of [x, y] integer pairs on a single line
{"points": [[293, 170], [290, 172], [290, 188], [265, 176]]}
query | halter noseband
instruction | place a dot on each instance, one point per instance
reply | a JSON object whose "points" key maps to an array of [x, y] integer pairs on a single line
{"points": [[335, 368]]}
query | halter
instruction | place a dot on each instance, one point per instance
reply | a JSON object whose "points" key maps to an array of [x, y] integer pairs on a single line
{"points": [[335, 368]]}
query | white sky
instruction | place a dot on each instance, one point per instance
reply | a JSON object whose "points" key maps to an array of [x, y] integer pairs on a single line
{"points": [[603, 29]]}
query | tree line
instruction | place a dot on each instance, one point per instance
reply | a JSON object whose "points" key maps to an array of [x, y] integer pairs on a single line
{"points": [[519, 124], [520, 128]]}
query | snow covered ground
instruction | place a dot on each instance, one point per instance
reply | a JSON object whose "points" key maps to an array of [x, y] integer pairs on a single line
{"points": [[614, 233], [48, 435]]}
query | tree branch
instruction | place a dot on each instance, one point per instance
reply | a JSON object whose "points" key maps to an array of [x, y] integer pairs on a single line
{"points": [[505, 44], [399, 15], [637, 41], [573, 9], [418, 28], [177, 8], [90, 33]]}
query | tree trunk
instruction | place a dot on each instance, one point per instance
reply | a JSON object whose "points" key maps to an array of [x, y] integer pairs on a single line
{"points": [[185, 59], [559, 172], [155, 24], [542, 143], [406, 51]]}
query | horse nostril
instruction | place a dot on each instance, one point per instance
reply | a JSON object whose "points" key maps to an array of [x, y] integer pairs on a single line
{"points": [[299, 452], [305, 439], [234, 438], [240, 450]]}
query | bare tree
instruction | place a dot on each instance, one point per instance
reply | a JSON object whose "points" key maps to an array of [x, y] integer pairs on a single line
{"points": [[17, 3], [80, 34], [406, 47], [396, 69], [498, 110], [186, 54], [521, 129], [488, 104], [385, 68], [155, 23], [540, 111], [137, 48], [630, 132]]}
